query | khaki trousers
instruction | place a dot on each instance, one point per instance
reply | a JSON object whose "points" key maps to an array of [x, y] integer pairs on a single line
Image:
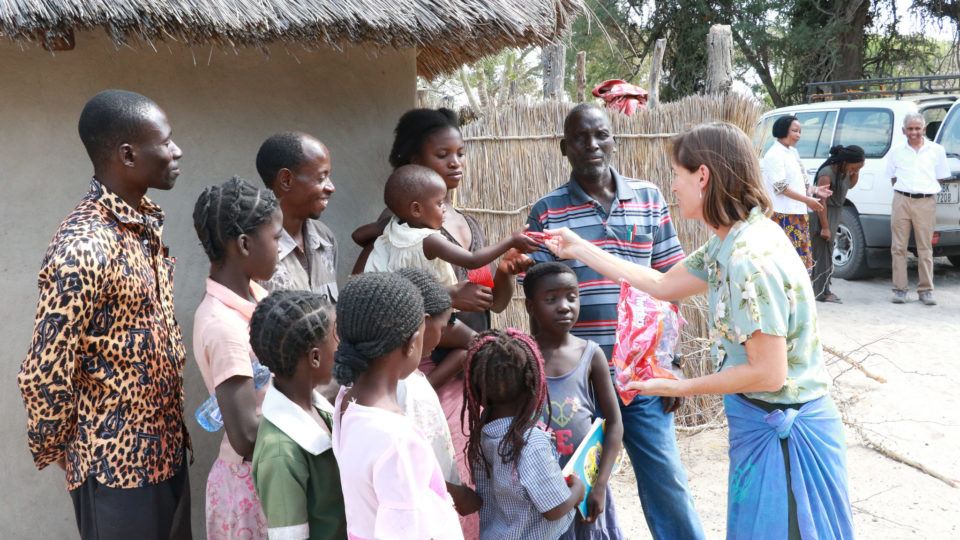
{"points": [[920, 215]]}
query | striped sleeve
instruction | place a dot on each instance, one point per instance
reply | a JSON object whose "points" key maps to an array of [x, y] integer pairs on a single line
{"points": [[667, 250]]}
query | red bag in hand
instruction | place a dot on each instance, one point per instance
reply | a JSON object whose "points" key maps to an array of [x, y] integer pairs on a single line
{"points": [[647, 334], [481, 276]]}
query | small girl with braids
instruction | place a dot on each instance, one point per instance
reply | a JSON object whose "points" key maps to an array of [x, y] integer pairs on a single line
{"points": [[393, 486], [294, 468], [239, 226], [514, 463]]}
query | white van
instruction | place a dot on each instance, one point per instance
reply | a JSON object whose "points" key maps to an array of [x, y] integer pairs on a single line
{"points": [[863, 234]]}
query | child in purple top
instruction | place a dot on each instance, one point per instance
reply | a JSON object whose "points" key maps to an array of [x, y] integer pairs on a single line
{"points": [[579, 384]]}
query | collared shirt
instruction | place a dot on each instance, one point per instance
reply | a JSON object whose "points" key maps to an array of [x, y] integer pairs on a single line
{"points": [[917, 171], [756, 281], [221, 343], [295, 472], [314, 269], [781, 169], [638, 229], [515, 495], [102, 382]]}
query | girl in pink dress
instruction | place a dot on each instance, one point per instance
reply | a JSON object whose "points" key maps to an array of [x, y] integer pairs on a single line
{"points": [[393, 486], [239, 226]]}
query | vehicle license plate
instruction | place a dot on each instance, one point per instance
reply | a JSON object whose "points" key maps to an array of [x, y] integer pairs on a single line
{"points": [[949, 193]]}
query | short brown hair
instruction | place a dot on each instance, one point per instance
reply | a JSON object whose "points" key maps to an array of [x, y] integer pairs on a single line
{"points": [[735, 186]]}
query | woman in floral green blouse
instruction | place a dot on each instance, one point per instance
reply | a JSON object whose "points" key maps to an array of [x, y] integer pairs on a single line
{"points": [[788, 466]]}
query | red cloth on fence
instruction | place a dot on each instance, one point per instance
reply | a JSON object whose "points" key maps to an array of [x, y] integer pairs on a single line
{"points": [[621, 96]]}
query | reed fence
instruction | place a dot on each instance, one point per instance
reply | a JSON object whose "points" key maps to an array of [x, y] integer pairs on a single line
{"points": [[515, 159]]}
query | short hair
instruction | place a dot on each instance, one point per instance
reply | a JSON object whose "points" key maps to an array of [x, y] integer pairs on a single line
{"points": [[914, 116], [280, 151], [226, 211], [781, 126], [540, 271], [436, 299], [112, 118], [286, 325], [579, 110], [502, 366], [377, 313], [735, 185], [413, 129], [407, 184]]}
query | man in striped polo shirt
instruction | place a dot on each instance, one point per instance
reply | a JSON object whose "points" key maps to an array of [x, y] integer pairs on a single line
{"points": [[630, 219]]}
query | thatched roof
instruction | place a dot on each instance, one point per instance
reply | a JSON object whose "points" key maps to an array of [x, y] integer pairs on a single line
{"points": [[447, 33]]}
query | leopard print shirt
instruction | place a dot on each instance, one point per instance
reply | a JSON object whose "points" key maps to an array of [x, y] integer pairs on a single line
{"points": [[103, 379]]}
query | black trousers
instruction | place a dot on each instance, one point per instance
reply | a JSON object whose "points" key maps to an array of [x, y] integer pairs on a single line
{"points": [[155, 512]]}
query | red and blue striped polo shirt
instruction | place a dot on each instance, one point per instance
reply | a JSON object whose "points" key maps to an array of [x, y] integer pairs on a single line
{"points": [[638, 229]]}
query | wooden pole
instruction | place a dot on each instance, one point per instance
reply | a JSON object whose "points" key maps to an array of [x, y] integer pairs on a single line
{"points": [[553, 59], [653, 99], [719, 59], [581, 76]]}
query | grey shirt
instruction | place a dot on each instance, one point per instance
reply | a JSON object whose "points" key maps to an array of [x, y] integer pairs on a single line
{"points": [[312, 269]]}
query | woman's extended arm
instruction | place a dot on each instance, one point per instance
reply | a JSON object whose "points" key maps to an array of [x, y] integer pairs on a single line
{"points": [[765, 371], [675, 284]]}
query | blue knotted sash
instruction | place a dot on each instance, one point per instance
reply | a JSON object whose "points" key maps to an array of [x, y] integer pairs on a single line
{"points": [[757, 497]]}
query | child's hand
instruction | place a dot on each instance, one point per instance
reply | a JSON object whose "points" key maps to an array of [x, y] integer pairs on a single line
{"points": [[596, 503], [523, 243], [514, 262], [576, 486], [465, 500]]}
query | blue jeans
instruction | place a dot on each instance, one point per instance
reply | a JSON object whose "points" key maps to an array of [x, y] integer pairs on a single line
{"points": [[651, 443]]}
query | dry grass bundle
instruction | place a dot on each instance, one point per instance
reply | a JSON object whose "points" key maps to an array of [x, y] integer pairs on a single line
{"points": [[446, 34], [515, 159]]}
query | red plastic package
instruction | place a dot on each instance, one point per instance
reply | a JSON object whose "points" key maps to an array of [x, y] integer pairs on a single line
{"points": [[536, 236], [648, 331], [481, 276]]}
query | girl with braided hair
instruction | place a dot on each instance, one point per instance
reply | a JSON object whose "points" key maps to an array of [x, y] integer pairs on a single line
{"points": [[239, 226], [580, 389], [513, 462], [294, 469], [393, 485], [840, 172]]}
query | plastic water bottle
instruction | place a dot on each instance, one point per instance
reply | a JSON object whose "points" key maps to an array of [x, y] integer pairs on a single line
{"points": [[208, 414]]}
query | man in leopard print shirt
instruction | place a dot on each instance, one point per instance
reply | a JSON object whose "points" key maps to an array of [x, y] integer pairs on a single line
{"points": [[103, 379]]}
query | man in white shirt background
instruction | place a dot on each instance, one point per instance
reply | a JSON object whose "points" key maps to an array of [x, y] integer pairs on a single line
{"points": [[916, 170]]}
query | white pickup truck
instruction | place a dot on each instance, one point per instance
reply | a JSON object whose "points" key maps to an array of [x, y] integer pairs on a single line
{"points": [[863, 234]]}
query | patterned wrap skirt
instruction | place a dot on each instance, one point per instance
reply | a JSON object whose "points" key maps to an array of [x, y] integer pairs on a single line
{"points": [[797, 228]]}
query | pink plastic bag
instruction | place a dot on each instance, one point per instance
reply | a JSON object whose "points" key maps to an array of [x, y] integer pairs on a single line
{"points": [[648, 331]]}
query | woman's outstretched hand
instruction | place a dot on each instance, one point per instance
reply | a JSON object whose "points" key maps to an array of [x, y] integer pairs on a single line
{"points": [[562, 242], [657, 387]]}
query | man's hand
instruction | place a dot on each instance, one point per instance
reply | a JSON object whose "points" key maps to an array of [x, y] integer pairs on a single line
{"points": [[469, 296], [825, 234]]}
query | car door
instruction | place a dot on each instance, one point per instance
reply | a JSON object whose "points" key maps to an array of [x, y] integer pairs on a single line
{"points": [[948, 200]]}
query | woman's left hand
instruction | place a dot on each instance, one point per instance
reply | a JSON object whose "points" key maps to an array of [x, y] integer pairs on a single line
{"points": [[562, 242], [657, 387]]}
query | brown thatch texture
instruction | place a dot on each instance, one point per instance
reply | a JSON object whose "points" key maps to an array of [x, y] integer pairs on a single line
{"points": [[514, 159], [447, 33]]}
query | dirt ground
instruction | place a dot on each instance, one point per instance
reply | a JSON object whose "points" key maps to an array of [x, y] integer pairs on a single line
{"points": [[915, 413]]}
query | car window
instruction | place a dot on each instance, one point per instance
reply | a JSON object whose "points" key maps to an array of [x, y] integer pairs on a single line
{"points": [[950, 133], [871, 129], [762, 138]]}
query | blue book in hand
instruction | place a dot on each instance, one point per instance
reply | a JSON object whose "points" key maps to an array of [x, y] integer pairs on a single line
{"points": [[585, 462]]}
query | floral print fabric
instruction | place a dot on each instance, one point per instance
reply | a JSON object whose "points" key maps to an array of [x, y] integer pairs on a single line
{"points": [[756, 282]]}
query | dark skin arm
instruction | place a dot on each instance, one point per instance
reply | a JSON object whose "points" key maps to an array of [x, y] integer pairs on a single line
{"points": [[576, 495], [465, 500], [456, 337], [512, 263], [613, 433], [822, 212], [237, 399], [365, 235], [435, 246], [468, 296]]}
